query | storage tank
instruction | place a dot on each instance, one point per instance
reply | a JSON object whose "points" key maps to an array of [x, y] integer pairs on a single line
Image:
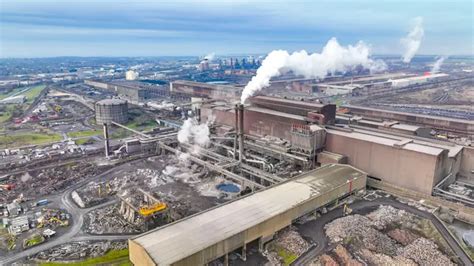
{"points": [[109, 110]]}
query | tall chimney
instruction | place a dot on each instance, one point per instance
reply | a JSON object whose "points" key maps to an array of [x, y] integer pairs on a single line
{"points": [[106, 138], [236, 139], [241, 132]]}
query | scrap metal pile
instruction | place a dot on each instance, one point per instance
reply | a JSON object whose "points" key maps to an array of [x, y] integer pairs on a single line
{"points": [[386, 235]]}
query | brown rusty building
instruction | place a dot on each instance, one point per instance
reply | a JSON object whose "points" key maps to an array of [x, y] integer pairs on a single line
{"points": [[205, 90], [400, 161]]}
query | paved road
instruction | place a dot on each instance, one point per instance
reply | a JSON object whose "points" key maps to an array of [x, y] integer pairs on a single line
{"points": [[315, 229], [74, 230]]}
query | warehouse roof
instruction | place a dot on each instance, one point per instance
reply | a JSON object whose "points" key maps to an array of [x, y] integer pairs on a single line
{"points": [[176, 241]]}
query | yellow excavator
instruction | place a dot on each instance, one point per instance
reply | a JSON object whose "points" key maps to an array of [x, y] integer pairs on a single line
{"points": [[152, 209], [53, 219]]}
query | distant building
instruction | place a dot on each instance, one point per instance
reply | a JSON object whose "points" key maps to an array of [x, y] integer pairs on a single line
{"points": [[417, 80], [13, 209], [134, 91], [131, 75], [19, 225]]}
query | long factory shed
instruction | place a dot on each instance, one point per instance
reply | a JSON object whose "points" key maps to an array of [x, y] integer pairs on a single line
{"points": [[209, 235]]}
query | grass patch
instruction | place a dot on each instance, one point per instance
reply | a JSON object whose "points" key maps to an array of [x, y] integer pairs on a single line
{"points": [[287, 256], [82, 134], [15, 90], [142, 125], [113, 257], [28, 139], [35, 240], [85, 141], [33, 93]]}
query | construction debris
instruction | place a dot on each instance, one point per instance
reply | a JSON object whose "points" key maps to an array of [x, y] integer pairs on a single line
{"points": [[372, 238], [108, 220], [424, 252], [78, 251], [292, 241], [345, 257], [387, 215]]}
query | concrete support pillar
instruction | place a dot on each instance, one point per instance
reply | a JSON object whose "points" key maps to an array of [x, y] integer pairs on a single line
{"points": [[226, 259], [106, 140], [244, 252], [260, 245]]}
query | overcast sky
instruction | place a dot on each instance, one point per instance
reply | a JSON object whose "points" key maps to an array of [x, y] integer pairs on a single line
{"points": [[38, 28]]}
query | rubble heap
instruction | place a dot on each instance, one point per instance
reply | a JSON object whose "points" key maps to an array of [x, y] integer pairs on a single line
{"points": [[388, 215], [109, 220], [424, 252], [292, 241], [79, 250]]}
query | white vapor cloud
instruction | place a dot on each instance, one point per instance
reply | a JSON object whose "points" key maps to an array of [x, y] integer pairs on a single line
{"points": [[333, 58], [412, 41], [210, 56], [437, 64], [194, 133]]}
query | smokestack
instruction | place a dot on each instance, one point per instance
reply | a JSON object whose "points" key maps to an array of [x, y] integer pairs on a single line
{"points": [[198, 114], [106, 138], [236, 130], [241, 132]]}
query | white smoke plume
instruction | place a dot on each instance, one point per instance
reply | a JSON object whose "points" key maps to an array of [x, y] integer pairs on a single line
{"points": [[194, 133], [437, 64], [333, 58], [210, 56], [412, 41]]}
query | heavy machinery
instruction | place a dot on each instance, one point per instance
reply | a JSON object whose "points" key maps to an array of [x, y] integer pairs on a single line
{"points": [[51, 220], [152, 209]]}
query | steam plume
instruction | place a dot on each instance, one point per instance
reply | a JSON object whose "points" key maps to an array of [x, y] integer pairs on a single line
{"points": [[412, 41], [210, 56], [437, 64], [194, 133], [333, 58]]}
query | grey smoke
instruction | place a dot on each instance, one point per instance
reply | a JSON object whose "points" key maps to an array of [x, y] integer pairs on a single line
{"points": [[412, 41], [333, 58]]}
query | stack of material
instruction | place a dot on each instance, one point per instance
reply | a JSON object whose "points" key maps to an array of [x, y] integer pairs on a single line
{"points": [[292, 241], [386, 215], [424, 252], [346, 257], [374, 258]]}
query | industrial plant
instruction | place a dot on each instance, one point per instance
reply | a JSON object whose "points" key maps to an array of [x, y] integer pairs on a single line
{"points": [[256, 156]]}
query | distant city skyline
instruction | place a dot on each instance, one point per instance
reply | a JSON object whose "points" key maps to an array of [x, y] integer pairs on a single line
{"points": [[35, 28]]}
